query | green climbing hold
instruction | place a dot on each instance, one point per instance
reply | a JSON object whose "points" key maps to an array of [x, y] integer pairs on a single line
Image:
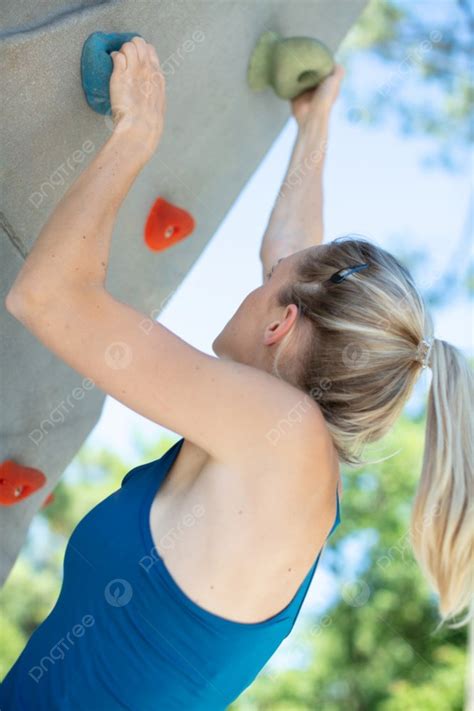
{"points": [[291, 66]]}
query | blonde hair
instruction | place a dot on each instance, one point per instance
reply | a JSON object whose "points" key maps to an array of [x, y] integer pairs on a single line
{"points": [[362, 353]]}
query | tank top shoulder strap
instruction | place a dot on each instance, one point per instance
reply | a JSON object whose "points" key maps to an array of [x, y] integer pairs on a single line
{"points": [[337, 520], [157, 467]]}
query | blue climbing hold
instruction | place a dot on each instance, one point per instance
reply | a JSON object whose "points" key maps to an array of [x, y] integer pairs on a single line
{"points": [[97, 66]]}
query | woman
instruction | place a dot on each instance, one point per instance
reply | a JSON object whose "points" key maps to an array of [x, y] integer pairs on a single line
{"points": [[180, 585]]}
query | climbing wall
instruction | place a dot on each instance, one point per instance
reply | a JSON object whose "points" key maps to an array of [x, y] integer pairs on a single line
{"points": [[217, 132]]}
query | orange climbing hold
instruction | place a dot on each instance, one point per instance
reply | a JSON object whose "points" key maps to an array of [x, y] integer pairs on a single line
{"points": [[17, 482], [167, 224]]}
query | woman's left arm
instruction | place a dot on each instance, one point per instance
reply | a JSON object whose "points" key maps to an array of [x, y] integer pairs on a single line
{"points": [[296, 221]]}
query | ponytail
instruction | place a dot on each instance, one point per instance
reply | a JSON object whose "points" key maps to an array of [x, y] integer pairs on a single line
{"points": [[367, 339], [442, 521]]}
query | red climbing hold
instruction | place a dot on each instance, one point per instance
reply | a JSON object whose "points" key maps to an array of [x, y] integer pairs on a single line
{"points": [[17, 482], [167, 224]]}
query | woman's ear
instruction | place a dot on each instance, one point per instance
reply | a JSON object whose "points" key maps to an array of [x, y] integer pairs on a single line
{"points": [[276, 330]]}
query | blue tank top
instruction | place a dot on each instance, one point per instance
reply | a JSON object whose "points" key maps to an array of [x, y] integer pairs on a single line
{"points": [[124, 635]]}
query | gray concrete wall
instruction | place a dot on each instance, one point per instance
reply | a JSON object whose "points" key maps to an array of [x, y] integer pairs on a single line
{"points": [[217, 132]]}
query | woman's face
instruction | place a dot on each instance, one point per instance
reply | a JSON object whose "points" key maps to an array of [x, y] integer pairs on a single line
{"points": [[260, 323]]}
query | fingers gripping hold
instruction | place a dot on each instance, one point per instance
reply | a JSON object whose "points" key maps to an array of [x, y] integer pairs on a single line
{"points": [[101, 53], [140, 48], [119, 60]]}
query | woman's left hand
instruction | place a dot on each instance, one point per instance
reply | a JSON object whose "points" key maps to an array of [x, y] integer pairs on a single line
{"points": [[316, 103], [137, 94]]}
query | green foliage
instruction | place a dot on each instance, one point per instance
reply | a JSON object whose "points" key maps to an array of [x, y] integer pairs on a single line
{"points": [[12, 641], [441, 692], [25, 601]]}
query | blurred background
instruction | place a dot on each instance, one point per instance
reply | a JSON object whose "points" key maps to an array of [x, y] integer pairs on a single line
{"points": [[399, 172]]}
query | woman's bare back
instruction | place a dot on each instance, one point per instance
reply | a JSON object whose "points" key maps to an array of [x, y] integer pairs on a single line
{"points": [[230, 540]]}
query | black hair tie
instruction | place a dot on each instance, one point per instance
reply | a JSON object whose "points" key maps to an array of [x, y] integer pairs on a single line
{"points": [[342, 274]]}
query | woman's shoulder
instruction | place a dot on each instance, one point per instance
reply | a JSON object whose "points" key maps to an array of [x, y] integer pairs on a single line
{"points": [[297, 469]]}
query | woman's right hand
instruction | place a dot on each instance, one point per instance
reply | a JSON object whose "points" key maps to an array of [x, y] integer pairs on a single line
{"points": [[318, 102], [138, 94]]}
